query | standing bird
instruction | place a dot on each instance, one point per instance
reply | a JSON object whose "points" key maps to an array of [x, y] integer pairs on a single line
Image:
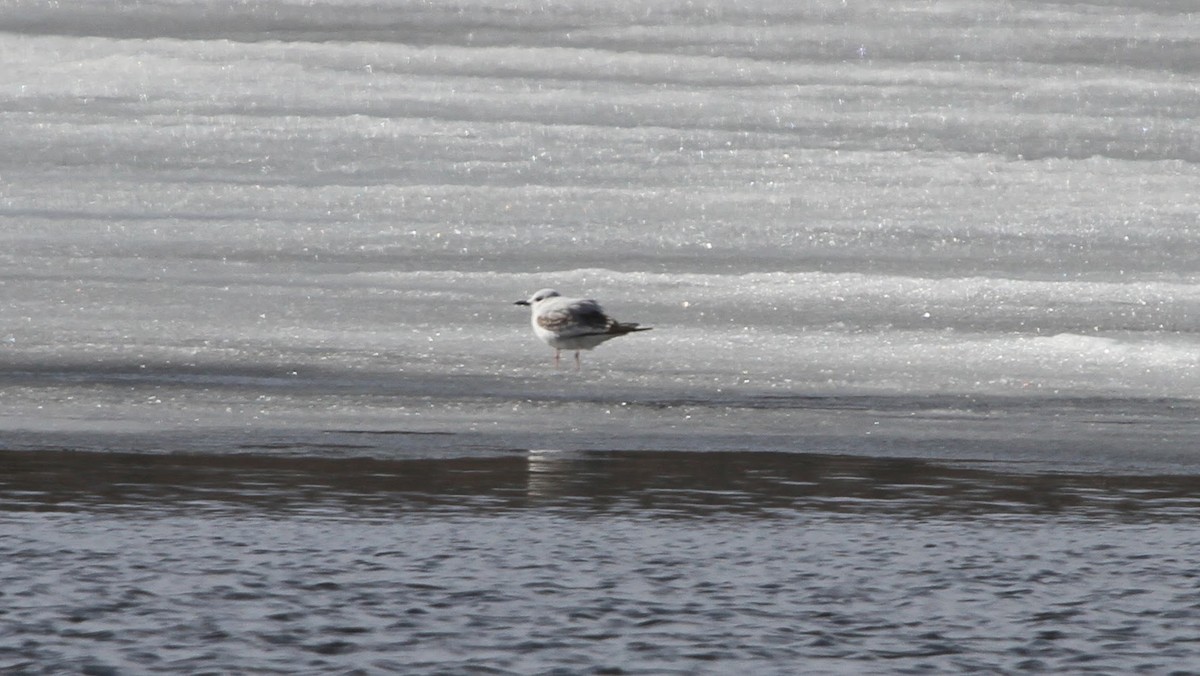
{"points": [[572, 323]]}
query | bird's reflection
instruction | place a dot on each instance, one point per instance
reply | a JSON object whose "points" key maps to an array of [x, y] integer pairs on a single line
{"points": [[546, 469]]}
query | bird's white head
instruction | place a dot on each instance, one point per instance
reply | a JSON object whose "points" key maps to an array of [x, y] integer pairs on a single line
{"points": [[538, 297]]}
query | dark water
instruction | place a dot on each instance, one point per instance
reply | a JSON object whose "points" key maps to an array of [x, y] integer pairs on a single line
{"points": [[597, 562]]}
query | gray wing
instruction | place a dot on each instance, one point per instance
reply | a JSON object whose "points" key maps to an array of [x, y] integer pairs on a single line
{"points": [[577, 318]]}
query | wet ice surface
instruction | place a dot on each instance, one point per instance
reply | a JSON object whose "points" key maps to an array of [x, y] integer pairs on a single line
{"points": [[231, 225], [633, 562], [257, 263]]}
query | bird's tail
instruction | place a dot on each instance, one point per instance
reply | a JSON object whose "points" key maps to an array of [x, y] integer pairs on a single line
{"points": [[621, 329]]}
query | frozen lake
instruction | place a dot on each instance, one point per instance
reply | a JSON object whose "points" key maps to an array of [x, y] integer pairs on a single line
{"points": [[276, 242], [959, 229]]}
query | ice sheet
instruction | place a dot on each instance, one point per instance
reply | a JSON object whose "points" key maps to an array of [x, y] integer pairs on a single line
{"points": [[884, 228]]}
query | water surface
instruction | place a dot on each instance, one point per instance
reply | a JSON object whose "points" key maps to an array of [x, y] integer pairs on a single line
{"points": [[617, 562]]}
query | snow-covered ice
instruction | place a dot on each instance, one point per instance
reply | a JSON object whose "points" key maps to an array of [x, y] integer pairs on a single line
{"points": [[962, 228]]}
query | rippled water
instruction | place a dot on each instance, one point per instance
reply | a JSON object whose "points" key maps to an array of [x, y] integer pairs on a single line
{"points": [[595, 562]]}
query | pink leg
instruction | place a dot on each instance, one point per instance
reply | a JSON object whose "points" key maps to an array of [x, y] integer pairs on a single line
{"points": [[556, 358]]}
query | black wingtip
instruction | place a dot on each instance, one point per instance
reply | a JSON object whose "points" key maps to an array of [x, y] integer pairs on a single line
{"points": [[622, 329]]}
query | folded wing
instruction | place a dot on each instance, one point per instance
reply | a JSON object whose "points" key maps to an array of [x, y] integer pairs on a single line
{"points": [[583, 318]]}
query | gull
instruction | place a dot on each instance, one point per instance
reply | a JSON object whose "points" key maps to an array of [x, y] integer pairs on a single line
{"points": [[572, 323]]}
